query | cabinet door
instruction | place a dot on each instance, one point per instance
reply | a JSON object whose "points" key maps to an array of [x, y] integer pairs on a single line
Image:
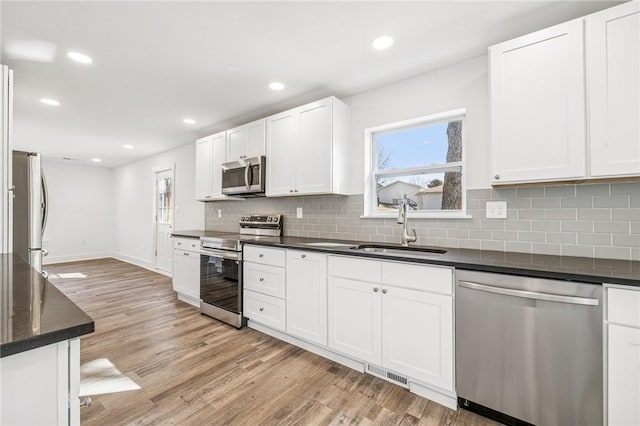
{"points": [[218, 156], [204, 168], [180, 271], [236, 143], [613, 64], [313, 149], [255, 139], [192, 285], [417, 335], [538, 106], [354, 319], [624, 375], [281, 137], [306, 283]]}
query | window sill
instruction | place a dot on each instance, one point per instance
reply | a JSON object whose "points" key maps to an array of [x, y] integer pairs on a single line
{"points": [[412, 215]]}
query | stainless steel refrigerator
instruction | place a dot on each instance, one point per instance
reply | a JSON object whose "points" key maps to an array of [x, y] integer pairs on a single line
{"points": [[29, 208]]}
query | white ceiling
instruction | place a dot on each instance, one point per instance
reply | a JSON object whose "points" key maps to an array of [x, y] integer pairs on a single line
{"points": [[155, 63]]}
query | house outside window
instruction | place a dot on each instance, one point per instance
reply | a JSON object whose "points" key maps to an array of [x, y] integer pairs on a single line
{"points": [[421, 159]]}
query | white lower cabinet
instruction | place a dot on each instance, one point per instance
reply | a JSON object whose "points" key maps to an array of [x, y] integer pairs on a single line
{"points": [[264, 286], [417, 330], [405, 330], [186, 275], [306, 300], [355, 318], [623, 355], [41, 386]]}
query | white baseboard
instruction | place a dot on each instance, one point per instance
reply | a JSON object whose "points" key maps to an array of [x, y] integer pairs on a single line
{"points": [[189, 299], [74, 258], [139, 262]]}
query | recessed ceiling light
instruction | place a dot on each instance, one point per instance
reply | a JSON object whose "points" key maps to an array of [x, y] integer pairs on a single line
{"points": [[382, 42], [127, 146], [276, 85], [79, 57], [189, 121], [96, 160], [51, 102]]}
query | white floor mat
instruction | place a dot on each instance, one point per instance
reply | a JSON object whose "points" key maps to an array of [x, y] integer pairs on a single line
{"points": [[100, 376]]}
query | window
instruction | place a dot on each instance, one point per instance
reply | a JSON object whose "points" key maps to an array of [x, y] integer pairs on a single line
{"points": [[421, 159]]}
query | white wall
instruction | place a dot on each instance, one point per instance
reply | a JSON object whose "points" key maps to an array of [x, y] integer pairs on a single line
{"points": [[463, 85], [81, 206], [134, 192]]}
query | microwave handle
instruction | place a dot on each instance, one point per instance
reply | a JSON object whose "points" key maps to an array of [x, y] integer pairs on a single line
{"points": [[247, 170]]}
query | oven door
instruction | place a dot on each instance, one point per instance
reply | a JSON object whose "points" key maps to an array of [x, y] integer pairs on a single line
{"points": [[221, 279]]}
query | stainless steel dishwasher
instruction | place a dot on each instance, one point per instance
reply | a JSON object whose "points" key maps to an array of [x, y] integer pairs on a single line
{"points": [[528, 349]]}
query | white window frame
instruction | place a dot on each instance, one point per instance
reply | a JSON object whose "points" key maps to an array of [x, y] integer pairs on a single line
{"points": [[371, 172]]}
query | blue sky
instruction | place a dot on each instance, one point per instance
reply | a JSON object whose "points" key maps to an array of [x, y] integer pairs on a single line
{"points": [[415, 147]]}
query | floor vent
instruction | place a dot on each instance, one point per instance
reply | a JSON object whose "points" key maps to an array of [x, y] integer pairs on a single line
{"points": [[385, 374]]}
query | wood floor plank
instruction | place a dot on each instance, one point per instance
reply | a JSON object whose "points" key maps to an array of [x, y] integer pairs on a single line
{"points": [[194, 370]]}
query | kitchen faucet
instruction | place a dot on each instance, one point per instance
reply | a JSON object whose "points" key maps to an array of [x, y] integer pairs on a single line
{"points": [[408, 235]]}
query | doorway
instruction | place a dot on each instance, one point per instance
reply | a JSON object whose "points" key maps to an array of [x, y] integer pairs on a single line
{"points": [[164, 202]]}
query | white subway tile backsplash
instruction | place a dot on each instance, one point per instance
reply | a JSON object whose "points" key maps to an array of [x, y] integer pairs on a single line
{"points": [[601, 220]]}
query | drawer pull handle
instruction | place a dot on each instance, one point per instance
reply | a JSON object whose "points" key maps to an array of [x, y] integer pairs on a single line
{"points": [[179, 244], [261, 279], [261, 309], [384, 291], [304, 256], [375, 289], [261, 255]]}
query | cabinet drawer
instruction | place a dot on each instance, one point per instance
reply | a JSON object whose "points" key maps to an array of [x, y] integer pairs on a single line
{"points": [[264, 255], [188, 244], [266, 310], [265, 279], [623, 306], [418, 277], [354, 268]]}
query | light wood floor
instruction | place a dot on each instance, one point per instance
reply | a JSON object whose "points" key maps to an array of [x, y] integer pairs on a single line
{"points": [[194, 370]]}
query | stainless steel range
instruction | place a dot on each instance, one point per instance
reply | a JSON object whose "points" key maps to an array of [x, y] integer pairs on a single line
{"points": [[221, 266]]}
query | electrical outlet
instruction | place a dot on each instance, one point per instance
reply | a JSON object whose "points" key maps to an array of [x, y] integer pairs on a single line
{"points": [[496, 209], [299, 213], [219, 212]]}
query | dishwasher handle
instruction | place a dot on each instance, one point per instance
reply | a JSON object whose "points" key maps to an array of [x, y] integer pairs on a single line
{"points": [[530, 294]]}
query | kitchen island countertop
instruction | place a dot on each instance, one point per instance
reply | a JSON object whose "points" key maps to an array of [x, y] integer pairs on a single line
{"points": [[34, 312]]}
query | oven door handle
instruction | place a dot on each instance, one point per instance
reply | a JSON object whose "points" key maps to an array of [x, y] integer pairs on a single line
{"points": [[220, 253]]}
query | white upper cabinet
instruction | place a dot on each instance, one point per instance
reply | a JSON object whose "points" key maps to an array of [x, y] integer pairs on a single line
{"points": [[246, 141], [210, 154], [541, 98], [307, 149], [613, 67], [538, 106]]}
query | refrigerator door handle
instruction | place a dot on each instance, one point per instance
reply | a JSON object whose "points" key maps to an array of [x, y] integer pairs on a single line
{"points": [[45, 201]]}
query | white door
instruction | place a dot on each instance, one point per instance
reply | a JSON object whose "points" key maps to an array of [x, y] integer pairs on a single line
{"points": [[306, 284], [313, 149], [164, 219], [613, 65], [538, 106], [417, 335], [354, 319], [281, 137]]}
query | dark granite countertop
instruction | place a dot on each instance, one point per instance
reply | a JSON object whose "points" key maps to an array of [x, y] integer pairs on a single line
{"points": [[34, 312], [579, 269], [194, 233]]}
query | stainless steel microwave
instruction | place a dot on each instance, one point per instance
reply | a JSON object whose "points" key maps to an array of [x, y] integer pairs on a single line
{"points": [[244, 178]]}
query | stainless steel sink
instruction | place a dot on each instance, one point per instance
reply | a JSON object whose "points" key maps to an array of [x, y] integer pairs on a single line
{"points": [[393, 250], [329, 245]]}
